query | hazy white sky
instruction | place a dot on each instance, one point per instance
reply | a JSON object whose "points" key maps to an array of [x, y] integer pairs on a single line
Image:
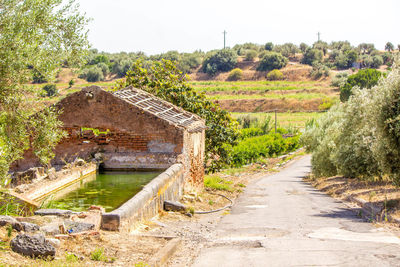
{"points": [[155, 26]]}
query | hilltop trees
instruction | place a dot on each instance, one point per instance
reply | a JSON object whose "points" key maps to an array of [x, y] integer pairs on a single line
{"points": [[271, 61], [312, 56], [389, 47], [221, 60], [35, 35]]}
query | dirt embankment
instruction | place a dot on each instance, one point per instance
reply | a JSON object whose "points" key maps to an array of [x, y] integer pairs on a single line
{"points": [[270, 105]]}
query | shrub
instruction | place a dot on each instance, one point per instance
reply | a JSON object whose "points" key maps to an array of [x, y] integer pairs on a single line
{"points": [[250, 132], [37, 77], [104, 68], [363, 79], [92, 74], [326, 104], [251, 55], [217, 183], [71, 83], [272, 60], [269, 46], [235, 75], [253, 148], [287, 49], [312, 56], [50, 89], [221, 60], [275, 75], [360, 138], [319, 70], [340, 79]]}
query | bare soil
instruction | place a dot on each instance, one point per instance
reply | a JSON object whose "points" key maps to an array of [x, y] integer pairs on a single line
{"points": [[270, 105], [380, 194]]}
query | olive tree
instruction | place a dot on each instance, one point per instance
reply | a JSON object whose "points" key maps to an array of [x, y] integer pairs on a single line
{"points": [[35, 35]]}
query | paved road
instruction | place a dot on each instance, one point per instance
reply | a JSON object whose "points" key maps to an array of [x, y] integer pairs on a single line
{"points": [[282, 221]]}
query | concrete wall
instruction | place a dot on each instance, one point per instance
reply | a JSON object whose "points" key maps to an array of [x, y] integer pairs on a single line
{"points": [[148, 202]]}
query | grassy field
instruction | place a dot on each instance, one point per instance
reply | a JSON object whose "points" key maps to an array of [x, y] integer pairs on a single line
{"points": [[221, 86], [295, 119], [299, 96]]}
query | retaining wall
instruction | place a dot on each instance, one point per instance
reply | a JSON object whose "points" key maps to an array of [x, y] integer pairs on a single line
{"points": [[148, 202]]}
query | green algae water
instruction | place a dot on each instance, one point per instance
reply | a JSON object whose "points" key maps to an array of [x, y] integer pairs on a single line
{"points": [[107, 189]]}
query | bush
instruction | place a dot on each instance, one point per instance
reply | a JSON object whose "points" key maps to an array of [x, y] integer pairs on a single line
{"points": [[50, 89], [104, 68], [363, 79], [251, 55], [221, 60], [272, 60], [250, 132], [92, 74], [360, 138], [340, 79], [269, 46], [37, 77], [275, 75], [326, 104], [253, 148], [319, 70], [312, 56], [235, 75]]}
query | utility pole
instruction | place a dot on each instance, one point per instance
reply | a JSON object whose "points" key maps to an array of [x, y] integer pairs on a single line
{"points": [[276, 120], [224, 37], [319, 36]]}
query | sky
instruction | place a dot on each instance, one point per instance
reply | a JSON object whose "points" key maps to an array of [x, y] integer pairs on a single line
{"points": [[157, 26]]}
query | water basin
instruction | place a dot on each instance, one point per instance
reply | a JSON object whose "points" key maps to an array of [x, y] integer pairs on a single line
{"points": [[107, 189]]}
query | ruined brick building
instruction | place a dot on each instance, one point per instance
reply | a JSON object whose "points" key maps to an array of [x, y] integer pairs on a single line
{"points": [[130, 129]]}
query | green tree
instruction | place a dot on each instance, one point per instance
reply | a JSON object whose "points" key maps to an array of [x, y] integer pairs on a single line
{"points": [[321, 45], [221, 60], [269, 46], [272, 60], [366, 78], [41, 34], [389, 47], [287, 49], [303, 47], [163, 79], [312, 56]]}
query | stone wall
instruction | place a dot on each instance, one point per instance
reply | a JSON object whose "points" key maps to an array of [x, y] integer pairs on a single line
{"points": [[125, 131], [148, 202]]}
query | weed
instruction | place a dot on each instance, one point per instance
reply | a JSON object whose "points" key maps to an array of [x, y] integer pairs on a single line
{"points": [[216, 182], [210, 202], [371, 195], [190, 210], [241, 185], [141, 264], [9, 230], [70, 257], [98, 255]]}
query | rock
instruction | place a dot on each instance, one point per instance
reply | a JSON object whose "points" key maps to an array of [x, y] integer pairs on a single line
{"points": [[51, 229], [173, 206], [199, 199], [189, 198], [32, 246], [29, 227], [54, 242], [8, 220], [56, 212], [77, 227], [189, 214], [21, 188], [28, 176], [52, 174], [79, 162]]}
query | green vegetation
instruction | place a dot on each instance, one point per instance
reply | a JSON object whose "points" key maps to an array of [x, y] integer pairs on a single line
{"points": [[235, 75], [219, 86], [221, 60], [98, 255], [275, 75], [217, 183], [363, 79], [312, 56], [58, 38], [164, 80], [253, 148], [50, 89], [359, 138], [271, 61]]}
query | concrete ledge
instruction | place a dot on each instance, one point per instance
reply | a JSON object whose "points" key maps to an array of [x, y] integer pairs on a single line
{"points": [[148, 202], [162, 256]]}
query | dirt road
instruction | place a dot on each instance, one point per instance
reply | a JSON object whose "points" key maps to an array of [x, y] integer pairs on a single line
{"points": [[282, 221]]}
